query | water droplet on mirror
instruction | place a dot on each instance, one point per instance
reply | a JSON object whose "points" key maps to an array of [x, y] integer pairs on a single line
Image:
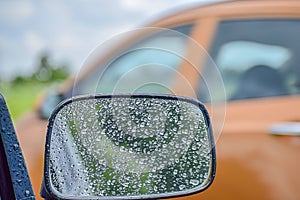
{"points": [[181, 187], [27, 193], [194, 182]]}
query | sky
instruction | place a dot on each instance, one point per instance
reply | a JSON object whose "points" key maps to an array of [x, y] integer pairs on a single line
{"points": [[67, 30]]}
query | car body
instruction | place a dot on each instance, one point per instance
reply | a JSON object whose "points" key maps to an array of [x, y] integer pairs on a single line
{"points": [[252, 163]]}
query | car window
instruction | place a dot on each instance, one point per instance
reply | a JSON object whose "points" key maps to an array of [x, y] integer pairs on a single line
{"points": [[256, 58], [147, 66]]}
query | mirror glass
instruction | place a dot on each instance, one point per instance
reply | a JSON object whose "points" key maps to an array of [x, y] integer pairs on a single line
{"points": [[128, 147]]}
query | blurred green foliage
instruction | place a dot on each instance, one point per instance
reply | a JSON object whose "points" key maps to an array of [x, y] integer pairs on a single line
{"points": [[20, 97], [45, 72], [21, 93]]}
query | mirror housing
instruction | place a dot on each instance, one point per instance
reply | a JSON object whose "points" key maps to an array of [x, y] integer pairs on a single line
{"points": [[128, 147]]}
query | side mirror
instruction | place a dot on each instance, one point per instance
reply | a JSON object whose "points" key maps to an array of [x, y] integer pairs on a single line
{"points": [[128, 147]]}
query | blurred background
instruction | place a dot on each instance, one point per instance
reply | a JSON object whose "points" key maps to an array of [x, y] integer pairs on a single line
{"points": [[43, 42]]}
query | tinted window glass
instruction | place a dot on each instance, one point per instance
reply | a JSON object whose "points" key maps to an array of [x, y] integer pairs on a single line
{"points": [[140, 67], [256, 58]]}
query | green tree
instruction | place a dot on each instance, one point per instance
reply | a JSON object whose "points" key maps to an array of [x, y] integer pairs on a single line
{"points": [[48, 72], [45, 71]]}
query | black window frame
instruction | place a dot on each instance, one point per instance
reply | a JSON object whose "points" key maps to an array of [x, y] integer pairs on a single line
{"points": [[14, 182]]}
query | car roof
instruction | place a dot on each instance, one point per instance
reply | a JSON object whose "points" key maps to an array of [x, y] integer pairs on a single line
{"points": [[221, 10], [225, 9]]}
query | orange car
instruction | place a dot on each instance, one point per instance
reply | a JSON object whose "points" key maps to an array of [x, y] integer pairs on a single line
{"points": [[255, 45]]}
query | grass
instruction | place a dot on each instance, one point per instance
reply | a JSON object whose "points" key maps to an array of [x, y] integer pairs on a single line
{"points": [[20, 97]]}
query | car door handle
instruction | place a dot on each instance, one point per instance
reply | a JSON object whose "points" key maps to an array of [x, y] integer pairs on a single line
{"points": [[286, 128]]}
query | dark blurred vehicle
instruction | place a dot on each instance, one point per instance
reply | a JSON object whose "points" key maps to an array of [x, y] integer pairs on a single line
{"points": [[255, 45]]}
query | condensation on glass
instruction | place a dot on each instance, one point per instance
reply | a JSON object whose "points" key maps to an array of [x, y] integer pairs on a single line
{"points": [[129, 147]]}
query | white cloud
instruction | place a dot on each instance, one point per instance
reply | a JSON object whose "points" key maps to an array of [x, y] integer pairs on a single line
{"points": [[67, 41], [16, 11], [56, 6], [69, 30], [155, 6], [135, 5], [144, 6], [34, 42]]}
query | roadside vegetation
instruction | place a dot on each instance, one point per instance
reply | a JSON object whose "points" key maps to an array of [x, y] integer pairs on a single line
{"points": [[22, 92]]}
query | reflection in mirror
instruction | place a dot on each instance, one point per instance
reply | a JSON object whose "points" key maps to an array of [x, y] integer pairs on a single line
{"points": [[128, 146]]}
